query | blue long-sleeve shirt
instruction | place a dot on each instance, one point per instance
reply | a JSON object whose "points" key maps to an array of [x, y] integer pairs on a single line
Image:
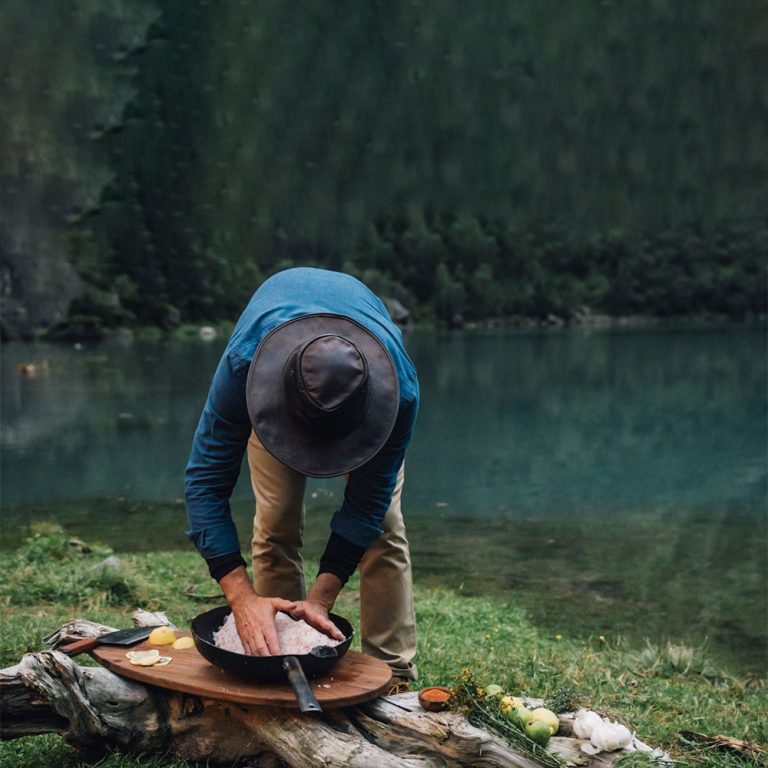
{"points": [[224, 428]]}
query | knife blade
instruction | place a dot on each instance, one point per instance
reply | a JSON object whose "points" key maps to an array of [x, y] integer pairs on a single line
{"points": [[120, 637]]}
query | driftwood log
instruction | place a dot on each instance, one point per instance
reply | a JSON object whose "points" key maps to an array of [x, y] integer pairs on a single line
{"points": [[94, 709]]}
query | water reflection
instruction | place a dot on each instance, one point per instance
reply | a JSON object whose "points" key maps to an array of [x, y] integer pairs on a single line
{"points": [[101, 422], [612, 482], [560, 423]]}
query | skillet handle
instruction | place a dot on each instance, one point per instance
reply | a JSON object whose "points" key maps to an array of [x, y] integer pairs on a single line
{"points": [[298, 680]]}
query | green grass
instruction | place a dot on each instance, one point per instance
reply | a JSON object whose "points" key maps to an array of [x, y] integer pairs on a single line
{"points": [[657, 691]]}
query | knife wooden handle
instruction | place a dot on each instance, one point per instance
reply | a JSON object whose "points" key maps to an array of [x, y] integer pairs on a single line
{"points": [[79, 646]]}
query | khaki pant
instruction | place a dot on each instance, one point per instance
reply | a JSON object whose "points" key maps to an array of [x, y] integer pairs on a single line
{"points": [[387, 621]]}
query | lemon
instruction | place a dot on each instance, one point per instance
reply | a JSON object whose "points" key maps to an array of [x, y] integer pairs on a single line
{"points": [[538, 731], [163, 660], [508, 703], [493, 689], [183, 643], [546, 716], [143, 658], [162, 636]]}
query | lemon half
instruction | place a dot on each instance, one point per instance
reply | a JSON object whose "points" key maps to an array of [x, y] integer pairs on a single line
{"points": [[162, 636]]}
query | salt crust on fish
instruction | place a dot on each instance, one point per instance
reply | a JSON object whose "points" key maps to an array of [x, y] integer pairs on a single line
{"points": [[295, 637]]}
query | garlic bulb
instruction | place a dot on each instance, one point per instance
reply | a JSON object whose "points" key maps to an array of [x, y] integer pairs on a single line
{"points": [[609, 736], [586, 721]]}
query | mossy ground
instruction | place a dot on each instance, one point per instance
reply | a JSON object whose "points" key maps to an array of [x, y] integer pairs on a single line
{"points": [[657, 690]]}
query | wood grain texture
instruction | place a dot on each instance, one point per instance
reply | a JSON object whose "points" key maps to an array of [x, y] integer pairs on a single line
{"points": [[356, 678]]}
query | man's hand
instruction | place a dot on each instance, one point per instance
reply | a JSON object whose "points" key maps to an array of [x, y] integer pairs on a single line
{"points": [[255, 620], [254, 615], [315, 609], [315, 614]]}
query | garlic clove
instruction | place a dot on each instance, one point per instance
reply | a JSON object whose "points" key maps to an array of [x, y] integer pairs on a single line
{"points": [[609, 736], [585, 722]]}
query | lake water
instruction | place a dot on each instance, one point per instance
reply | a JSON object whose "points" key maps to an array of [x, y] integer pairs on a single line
{"points": [[613, 482]]}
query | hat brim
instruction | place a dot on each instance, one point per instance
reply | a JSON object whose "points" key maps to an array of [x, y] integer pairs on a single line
{"points": [[283, 436]]}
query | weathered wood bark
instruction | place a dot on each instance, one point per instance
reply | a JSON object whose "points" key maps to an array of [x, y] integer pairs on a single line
{"points": [[93, 708]]}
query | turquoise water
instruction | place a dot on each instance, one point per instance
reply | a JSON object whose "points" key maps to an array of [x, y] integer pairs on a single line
{"points": [[614, 482]]}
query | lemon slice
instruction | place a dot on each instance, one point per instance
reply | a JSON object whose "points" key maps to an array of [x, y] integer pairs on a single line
{"points": [[162, 636], [184, 642], [140, 654], [162, 661], [143, 658]]}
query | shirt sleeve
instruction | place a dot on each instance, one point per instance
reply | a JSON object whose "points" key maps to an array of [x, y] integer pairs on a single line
{"points": [[370, 487], [341, 558], [214, 463]]}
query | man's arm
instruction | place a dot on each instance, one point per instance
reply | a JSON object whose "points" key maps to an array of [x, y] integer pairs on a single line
{"points": [[357, 525], [214, 466], [212, 471], [369, 490]]}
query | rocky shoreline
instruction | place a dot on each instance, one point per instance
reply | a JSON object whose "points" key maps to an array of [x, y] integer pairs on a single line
{"points": [[87, 333]]}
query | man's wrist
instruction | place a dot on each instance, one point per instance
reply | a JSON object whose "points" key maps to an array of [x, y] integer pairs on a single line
{"points": [[325, 590], [236, 585]]}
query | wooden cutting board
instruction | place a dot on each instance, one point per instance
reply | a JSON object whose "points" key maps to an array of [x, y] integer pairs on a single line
{"points": [[356, 677]]}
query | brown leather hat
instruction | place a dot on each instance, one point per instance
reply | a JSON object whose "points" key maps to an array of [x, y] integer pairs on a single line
{"points": [[322, 394]]}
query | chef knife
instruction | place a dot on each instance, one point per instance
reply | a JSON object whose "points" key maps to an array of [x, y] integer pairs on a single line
{"points": [[120, 637]]}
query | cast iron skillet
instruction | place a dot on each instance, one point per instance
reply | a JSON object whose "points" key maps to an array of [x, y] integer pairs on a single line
{"points": [[266, 669]]}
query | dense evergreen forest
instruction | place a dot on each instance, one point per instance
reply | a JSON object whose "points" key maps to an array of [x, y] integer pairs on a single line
{"points": [[158, 159]]}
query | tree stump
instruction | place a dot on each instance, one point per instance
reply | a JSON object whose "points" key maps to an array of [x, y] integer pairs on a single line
{"points": [[93, 709]]}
